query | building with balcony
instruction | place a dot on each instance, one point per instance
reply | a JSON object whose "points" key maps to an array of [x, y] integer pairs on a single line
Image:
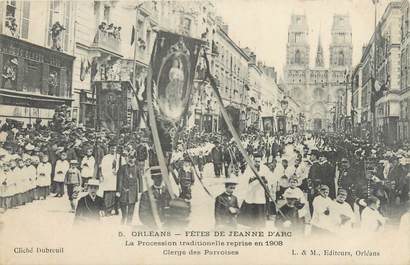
{"points": [[230, 68], [36, 58], [387, 105], [357, 91], [404, 117]]}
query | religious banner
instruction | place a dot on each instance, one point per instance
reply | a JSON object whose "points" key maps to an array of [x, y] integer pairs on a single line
{"points": [[173, 65], [169, 85], [268, 124], [111, 105], [281, 125]]}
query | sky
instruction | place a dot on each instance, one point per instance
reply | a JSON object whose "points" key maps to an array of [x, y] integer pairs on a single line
{"points": [[263, 25]]}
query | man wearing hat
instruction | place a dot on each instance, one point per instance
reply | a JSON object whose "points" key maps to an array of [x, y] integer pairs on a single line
{"points": [[185, 177], [129, 185], [226, 206], [288, 217], [161, 199], [327, 173], [141, 154], [397, 177], [217, 159], [73, 182], [313, 180], [90, 207]]}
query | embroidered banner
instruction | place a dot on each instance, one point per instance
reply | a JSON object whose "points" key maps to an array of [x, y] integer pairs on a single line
{"points": [[170, 80]]}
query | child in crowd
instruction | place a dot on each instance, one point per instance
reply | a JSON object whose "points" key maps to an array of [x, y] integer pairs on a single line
{"points": [[44, 177], [62, 166], [87, 166]]}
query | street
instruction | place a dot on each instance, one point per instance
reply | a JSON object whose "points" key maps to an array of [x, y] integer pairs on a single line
{"points": [[55, 212]]}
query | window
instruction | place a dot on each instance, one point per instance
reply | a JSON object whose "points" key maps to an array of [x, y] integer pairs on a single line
{"points": [[341, 58], [32, 77], [17, 18], [59, 11], [107, 11], [25, 20], [298, 59], [11, 8], [186, 26]]}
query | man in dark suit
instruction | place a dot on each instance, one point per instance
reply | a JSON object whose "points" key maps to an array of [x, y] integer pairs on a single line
{"points": [[313, 179], [226, 206], [91, 206], [327, 174], [217, 159], [129, 185], [161, 198]]}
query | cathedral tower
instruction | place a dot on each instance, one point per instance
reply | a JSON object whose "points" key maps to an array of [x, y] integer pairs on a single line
{"points": [[298, 45], [319, 62], [341, 44]]}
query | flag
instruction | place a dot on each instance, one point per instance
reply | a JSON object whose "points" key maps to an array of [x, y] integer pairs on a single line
{"points": [[84, 69], [132, 35], [111, 104], [82, 75], [168, 89]]}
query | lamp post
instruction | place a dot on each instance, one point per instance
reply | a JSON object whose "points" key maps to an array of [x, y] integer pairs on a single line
{"points": [[347, 75]]}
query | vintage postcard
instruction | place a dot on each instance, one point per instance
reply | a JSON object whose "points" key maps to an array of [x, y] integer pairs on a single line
{"points": [[205, 132]]}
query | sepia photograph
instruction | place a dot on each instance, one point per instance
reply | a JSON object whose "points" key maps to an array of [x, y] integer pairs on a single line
{"points": [[205, 132]]}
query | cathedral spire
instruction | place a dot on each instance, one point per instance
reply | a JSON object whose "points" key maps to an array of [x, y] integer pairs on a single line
{"points": [[319, 54]]}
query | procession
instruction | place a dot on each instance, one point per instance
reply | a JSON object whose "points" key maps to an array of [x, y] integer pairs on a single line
{"points": [[159, 119], [317, 184]]}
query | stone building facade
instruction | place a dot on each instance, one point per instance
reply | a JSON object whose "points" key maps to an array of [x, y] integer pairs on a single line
{"points": [[318, 88]]}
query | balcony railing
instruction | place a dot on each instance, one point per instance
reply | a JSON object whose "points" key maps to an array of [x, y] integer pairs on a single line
{"points": [[107, 41]]}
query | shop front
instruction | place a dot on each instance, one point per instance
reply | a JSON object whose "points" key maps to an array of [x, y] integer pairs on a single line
{"points": [[34, 80]]}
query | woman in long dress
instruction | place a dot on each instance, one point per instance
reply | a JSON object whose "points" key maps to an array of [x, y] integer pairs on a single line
{"points": [[174, 89]]}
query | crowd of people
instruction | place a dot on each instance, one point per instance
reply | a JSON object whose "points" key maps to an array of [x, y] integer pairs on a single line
{"points": [[327, 183], [317, 184]]}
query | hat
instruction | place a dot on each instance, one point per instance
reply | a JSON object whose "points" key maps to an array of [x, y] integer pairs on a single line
{"points": [[323, 187], [73, 161], [93, 182], [231, 181], [290, 194], [156, 174], [315, 152], [59, 149], [29, 147]]}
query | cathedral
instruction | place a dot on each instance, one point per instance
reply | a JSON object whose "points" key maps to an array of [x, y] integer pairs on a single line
{"points": [[316, 87]]}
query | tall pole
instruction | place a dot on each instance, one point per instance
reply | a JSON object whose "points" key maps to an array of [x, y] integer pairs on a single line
{"points": [[373, 103], [352, 105], [346, 82], [134, 62], [134, 67]]}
